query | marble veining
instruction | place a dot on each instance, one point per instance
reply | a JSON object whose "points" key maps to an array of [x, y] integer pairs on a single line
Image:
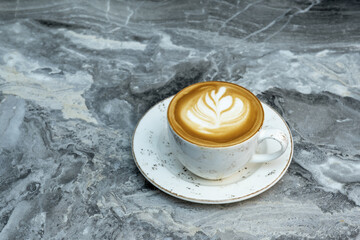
{"points": [[75, 78]]}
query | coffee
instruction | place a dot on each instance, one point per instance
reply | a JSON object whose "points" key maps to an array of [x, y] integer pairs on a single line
{"points": [[215, 114]]}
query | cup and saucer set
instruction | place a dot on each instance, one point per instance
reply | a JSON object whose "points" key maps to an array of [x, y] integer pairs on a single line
{"points": [[207, 174]]}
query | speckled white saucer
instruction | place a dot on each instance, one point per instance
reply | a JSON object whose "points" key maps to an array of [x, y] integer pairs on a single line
{"points": [[155, 159]]}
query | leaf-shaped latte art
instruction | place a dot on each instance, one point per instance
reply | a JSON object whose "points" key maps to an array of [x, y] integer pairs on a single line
{"points": [[216, 110], [215, 114]]}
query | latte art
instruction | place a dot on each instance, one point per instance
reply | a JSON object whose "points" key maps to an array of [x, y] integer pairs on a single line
{"points": [[215, 114], [216, 110]]}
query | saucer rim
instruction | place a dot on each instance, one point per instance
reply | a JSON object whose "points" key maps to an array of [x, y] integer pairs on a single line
{"points": [[208, 201]]}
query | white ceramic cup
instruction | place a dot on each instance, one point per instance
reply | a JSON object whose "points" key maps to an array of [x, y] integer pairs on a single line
{"points": [[220, 162]]}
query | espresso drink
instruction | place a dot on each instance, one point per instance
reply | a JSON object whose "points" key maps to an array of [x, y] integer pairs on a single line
{"points": [[215, 114]]}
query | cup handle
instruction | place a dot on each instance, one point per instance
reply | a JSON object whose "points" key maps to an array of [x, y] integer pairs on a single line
{"points": [[274, 134]]}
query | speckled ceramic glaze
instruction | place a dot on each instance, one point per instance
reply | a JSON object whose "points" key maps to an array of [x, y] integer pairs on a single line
{"points": [[216, 163], [212, 163], [156, 159]]}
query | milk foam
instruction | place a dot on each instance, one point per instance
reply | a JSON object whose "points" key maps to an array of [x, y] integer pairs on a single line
{"points": [[216, 110], [215, 114]]}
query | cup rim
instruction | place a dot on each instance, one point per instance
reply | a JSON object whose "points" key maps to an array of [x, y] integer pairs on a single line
{"points": [[217, 147]]}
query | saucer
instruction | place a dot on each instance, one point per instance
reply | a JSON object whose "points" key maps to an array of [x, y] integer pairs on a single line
{"points": [[158, 163]]}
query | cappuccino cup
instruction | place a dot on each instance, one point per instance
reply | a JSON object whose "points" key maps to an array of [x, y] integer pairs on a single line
{"points": [[215, 128]]}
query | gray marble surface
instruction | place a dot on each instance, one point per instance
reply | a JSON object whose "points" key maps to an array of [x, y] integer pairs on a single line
{"points": [[75, 78]]}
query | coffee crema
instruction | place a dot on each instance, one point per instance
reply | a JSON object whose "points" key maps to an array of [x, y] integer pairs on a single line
{"points": [[215, 114]]}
